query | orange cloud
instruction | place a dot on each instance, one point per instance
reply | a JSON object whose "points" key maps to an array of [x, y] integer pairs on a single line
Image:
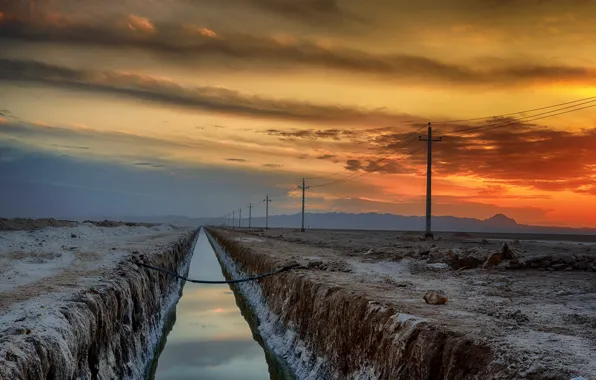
{"points": [[208, 33], [141, 24]]}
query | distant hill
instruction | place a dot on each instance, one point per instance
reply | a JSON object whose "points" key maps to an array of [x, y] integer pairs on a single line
{"points": [[374, 221]]}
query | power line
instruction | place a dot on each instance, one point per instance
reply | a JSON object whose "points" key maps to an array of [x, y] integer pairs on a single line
{"points": [[524, 119], [513, 113], [483, 128], [575, 106]]}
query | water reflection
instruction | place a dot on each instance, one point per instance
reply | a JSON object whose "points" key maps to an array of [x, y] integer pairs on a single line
{"points": [[210, 338]]}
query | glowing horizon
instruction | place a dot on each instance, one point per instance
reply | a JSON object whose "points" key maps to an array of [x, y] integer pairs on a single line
{"points": [[176, 90]]}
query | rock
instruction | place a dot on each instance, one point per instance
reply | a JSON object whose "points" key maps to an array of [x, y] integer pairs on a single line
{"points": [[435, 297], [466, 260], [73, 236], [506, 252], [515, 265], [493, 260], [519, 317], [484, 241], [438, 267], [568, 259], [558, 266], [580, 265]]}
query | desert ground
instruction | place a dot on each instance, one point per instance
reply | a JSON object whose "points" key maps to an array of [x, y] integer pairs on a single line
{"points": [[531, 297], [45, 261]]}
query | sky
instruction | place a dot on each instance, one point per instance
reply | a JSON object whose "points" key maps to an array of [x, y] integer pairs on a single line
{"points": [[200, 107]]}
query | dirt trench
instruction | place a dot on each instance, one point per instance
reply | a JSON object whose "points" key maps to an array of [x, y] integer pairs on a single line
{"points": [[356, 337], [106, 332]]}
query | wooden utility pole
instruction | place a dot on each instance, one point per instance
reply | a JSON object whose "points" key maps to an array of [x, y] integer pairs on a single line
{"points": [[249, 214], [429, 140], [240, 218], [267, 200], [304, 188]]}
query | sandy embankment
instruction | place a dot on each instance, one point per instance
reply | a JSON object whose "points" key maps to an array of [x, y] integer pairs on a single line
{"points": [[72, 304], [358, 310]]}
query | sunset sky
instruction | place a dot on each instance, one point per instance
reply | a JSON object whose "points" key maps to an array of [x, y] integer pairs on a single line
{"points": [[197, 107]]}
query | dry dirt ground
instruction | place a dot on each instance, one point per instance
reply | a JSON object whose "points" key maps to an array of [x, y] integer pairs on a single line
{"points": [[534, 300], [45, 261]]}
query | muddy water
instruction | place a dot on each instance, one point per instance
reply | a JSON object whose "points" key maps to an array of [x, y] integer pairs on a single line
{"points": [[209, 331]]}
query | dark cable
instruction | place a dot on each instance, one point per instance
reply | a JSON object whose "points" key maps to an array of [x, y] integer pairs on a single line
{"points": [[513, 113], [284, 269]]}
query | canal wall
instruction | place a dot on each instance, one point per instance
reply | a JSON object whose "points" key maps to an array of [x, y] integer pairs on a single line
{"points": [[324, 332], [109, 331]]}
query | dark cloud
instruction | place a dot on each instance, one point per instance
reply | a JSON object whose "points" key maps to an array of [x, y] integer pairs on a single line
{"points": [[149, 164], [387, 166], [72, 147], [315, 134], [303, 10], [326, 157], [186, 44], [213, 99], [353, 165], [236, 159], [518, 154]]}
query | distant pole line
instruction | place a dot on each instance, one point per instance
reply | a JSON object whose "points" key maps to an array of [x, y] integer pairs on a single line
{"points": [[429, 143], [549, 111]]}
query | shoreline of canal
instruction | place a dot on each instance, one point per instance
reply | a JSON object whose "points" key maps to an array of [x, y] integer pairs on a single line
{"points": [[192, 324]]}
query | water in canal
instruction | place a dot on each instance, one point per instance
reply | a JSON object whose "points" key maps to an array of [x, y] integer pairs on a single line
{"points": [[210, 338]]}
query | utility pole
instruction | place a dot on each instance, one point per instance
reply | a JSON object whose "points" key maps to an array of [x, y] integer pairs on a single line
{"points": [[429, 141], [240, 219], [249, 214], [267, 200], [233, 219], [303, 187]]}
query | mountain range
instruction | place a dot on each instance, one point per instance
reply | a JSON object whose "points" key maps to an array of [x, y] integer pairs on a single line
{"points": [[375, 221]]}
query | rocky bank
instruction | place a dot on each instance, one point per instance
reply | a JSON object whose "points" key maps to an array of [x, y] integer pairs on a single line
{"points": [[106, 331], [362, 316]]}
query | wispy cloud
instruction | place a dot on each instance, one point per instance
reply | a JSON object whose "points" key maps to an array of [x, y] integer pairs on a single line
{"points": [[326, 157], [213, 99], [78, 147], [236, 159], [149, 164], [518, 154], [182, 43]]}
